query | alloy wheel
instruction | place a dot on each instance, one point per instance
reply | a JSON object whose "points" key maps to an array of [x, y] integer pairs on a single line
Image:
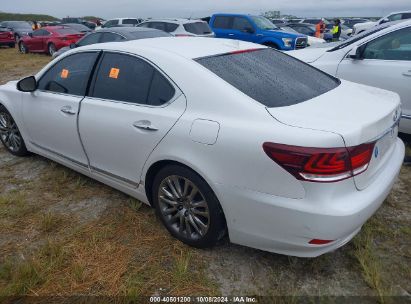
{"points": [[52, 49], [184, 207], [9, 133], [22, 48]]}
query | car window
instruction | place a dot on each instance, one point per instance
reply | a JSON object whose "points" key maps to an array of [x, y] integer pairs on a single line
{"points": [[111, 23], [90, 39], [130, 21], [406, 16], [222, 22], [67, 31], [197, 28], [161, 91], [69, 75], [111, 37], [263, 23], [392, 46], [147, 34], [170, 27], [270, 77], [241, 24], [40, 33], [394, 17], [127, 78]]}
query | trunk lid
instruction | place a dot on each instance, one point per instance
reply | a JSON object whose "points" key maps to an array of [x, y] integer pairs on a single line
{"points": [[358, 113]]}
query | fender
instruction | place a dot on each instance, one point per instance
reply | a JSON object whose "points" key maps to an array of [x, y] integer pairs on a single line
{"points": [[268, 40]]}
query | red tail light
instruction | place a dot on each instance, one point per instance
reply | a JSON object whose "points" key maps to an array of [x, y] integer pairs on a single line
{"points": [[321, 164], [319, 242]]}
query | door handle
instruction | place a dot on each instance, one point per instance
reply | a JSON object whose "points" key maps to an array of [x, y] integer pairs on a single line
{"points": [[230, 34], [407, 73], [144, 125], [68, 110]]}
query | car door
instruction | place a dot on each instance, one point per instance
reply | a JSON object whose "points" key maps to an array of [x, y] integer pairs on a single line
{"points": [[385, 63], [243, 29], [35, 42], [130, 108], [222, 27], [50, 112]]}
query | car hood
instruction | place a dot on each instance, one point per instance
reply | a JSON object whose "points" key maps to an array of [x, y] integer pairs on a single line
{"points": [[283, 33], [357, 112], [365, 24], [309, 54]]}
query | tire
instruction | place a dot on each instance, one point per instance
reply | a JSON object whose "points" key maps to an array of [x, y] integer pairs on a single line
{"points": [[51, 49], [10, 134], [198, 220], [12, 45], [23, 48]]}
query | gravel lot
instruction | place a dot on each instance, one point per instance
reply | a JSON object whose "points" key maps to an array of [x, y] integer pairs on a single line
{"points": [[63, 234]]}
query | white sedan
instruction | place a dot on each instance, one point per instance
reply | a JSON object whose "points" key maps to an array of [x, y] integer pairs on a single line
{"points": [[380, 57], [219, 136]]}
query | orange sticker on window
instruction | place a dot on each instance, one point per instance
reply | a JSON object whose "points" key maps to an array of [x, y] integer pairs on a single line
{"points": [[114, 73], [64, 73]]}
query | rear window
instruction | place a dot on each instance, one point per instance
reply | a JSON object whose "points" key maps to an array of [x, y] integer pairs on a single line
{"points": [[197, 28], [270, 77], [130, 21], [67, 31]]}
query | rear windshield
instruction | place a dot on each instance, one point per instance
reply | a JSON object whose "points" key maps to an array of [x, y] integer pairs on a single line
{"points": [[67, 31], [270, 77], [197, 28]]}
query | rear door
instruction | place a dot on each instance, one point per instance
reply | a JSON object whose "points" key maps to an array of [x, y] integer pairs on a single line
{"points": [[130, 108], [386, 64], [222, 27]]}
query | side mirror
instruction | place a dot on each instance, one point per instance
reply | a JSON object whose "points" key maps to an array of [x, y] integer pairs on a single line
{"points": [[355, 53], [385, 20], [28, 84], [30, 34], [73, 46], [248, 30]]}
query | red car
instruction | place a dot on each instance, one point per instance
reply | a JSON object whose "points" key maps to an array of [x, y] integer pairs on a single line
{"points": [[7, 37], [49, 39]]}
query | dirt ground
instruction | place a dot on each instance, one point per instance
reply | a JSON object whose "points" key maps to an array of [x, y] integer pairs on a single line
{"points": [[64, 234]]}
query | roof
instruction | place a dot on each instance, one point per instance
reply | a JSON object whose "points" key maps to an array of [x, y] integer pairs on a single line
{"points": [[188, 47]]}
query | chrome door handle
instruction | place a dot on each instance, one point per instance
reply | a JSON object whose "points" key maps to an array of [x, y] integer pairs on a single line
{"points": [[230, 34], [407, 73], [144, 125], [68, 110]]}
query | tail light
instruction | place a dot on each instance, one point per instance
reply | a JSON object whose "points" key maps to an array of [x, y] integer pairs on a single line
{"points": [[321, 164]]}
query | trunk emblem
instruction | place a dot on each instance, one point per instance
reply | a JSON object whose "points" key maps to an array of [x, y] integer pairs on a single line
{"points": [[376, 152]]}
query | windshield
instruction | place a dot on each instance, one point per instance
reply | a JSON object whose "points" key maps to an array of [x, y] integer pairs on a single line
{"points": [[263, 23], [358, 37], [270, 77]]}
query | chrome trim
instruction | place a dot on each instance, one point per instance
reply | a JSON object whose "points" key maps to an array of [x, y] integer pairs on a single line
{"points": [[111, 175], [59, 155], [405, 116], [378, 137]]}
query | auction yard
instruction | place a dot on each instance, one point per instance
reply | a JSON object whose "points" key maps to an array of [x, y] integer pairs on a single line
{"points": [[64, 234]]}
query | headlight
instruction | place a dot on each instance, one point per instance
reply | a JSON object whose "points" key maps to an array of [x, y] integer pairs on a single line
{"points": [[287, 41]]}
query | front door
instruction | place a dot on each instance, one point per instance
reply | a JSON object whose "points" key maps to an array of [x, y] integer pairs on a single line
{"points": [[50, 113]]}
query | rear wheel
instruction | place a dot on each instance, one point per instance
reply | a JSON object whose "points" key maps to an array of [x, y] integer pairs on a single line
{"points": [[10, 135], [188, 207], [23, 48], [52, 49]]}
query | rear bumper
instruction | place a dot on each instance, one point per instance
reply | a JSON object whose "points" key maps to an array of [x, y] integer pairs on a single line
{"points": [[285, 226]]}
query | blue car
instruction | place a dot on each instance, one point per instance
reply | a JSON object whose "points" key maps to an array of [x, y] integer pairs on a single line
{"points": [[255, 29]]}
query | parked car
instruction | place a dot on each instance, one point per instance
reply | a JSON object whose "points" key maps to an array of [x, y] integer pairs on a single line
{"points": [[180, 27], [379, 57], [19, 28], [118, 22], [114, 34], [89, 24], [49, 39], [7, 37], [311, 40], [78, 27], [361, 27], [255, 29], [308, 30], [278, 22], [217, 135], [350, 22]]}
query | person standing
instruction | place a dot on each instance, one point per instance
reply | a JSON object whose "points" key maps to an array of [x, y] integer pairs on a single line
{"points": [[336, 31], [319, 29]]}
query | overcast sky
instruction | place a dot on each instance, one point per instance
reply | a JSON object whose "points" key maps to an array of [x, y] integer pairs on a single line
{"points": [[199, 8]]}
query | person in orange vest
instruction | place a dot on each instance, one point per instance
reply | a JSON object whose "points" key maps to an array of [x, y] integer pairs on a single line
{"points": [[319, 29]]}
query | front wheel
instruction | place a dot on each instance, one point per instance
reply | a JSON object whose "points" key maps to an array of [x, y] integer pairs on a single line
{"points": [[10, 135], [23, 48], [188, 207], [52, 49]]}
